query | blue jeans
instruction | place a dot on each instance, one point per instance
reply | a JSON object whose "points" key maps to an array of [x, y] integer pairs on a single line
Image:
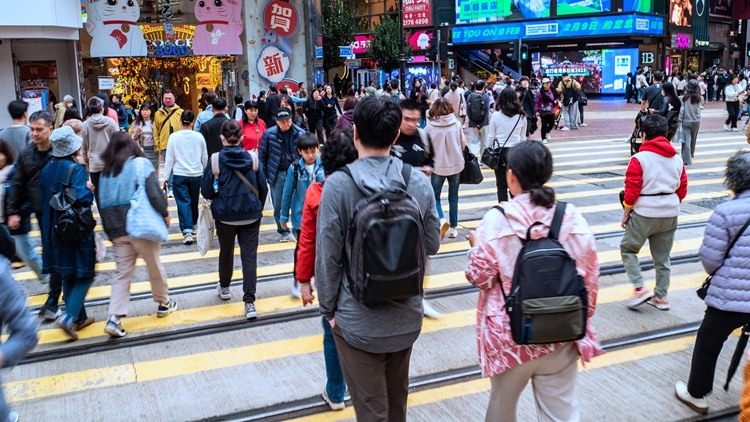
{"points": [[186, 190], [26, 250], [336, 386], [74, 292], [277, 194], [437, 186], [640, 93]]}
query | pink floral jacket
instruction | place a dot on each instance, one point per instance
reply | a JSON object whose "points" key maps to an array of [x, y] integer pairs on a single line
{"points": [[497, 243]]}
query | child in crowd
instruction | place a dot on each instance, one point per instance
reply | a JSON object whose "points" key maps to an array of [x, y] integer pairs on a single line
{"points": [[300, 176], [337, 152]]}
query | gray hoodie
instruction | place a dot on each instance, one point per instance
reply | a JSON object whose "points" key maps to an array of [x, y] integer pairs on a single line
{"points": [[15, 318], [96, 133], [386, 327]]}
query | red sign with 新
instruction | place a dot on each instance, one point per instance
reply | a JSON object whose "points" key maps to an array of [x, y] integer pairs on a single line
{"points": [[282, 17], [417, 13]]}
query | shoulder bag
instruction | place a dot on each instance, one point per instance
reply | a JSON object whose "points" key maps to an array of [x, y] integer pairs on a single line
{"points": [[74, 220], [472, 173], [491, 157], [142, 221], [703, 290]]}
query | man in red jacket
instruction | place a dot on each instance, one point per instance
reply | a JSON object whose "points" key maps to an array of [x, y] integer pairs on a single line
{"points": [[655, 185]]}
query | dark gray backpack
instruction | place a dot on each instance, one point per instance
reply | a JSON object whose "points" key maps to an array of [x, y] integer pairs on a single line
{"points": [[548, 301], [384, 253]]}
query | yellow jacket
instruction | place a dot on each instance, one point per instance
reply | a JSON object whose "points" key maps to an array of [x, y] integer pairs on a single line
{"points": [[162, 126]]}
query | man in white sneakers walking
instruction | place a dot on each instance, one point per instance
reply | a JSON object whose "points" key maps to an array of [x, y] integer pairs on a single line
{"points": [[655, 185]]}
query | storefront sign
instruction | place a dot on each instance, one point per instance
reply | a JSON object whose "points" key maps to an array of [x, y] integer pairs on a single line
{"points": [[647, 57], [273, 64], [353, 63], [361, 43], [682, 41], [37, 70], [219, 28], [721, 9], [169, 40], [561, 28], [417, 13], [106, 83], [281, 16], [345, 51], [420, 40], [114, 30]]}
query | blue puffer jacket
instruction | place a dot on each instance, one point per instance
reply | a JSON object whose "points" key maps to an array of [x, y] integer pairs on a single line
{"points": [[235, 201], [294, 193], [730, 286], [272, 151]]}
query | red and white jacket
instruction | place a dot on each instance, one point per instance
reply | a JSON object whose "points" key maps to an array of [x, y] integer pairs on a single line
{"points": [[655, 170], [305, 269]]}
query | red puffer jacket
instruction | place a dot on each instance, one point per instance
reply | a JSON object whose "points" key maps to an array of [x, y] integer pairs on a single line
{"points": [[305, 269]]}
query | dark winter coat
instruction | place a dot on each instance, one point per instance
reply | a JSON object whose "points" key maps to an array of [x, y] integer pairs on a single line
{"points": [[235, 201], [25, 181], [273, 156]]}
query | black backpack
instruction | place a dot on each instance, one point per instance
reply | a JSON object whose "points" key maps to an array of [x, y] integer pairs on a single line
{"points": [[476, 107], [384, 252], [74, 220], [548, 301], [569, 93]]}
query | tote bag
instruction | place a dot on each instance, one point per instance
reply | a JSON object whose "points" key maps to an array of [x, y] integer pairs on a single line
{"points": [[143, 222]]}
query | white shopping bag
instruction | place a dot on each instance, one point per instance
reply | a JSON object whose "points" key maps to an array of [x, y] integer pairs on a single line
{"points": [[206, 228]]}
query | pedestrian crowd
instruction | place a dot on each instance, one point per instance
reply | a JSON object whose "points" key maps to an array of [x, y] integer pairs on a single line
{"points": [[359, 189]]}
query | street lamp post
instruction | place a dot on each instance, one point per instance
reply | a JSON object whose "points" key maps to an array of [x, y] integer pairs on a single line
{"points": [[402, 56]]}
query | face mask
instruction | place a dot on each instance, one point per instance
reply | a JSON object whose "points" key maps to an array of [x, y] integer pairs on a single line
{"points": [[169, 103]]}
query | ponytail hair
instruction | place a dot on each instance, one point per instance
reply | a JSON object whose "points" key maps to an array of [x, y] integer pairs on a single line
{"points": [[187, 117], [231, 131], [531, 163]]}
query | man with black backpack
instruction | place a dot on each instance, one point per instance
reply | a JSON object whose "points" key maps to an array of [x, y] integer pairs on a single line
{"points": [[377, 223], [478, 105], [568, 89]]}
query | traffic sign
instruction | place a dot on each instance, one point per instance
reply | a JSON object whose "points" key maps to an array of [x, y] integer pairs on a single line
{"points": [[353, 63], [318, 52], [345, 51]]}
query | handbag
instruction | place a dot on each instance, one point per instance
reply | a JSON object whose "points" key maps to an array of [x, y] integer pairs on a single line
{"points": [[583, 99], [703, 289], [471, 174], [206, 226], [492, 157], [142, 221], [546, 110], [461, 107]]}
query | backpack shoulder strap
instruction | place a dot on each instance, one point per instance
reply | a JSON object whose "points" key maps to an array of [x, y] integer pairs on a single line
{"points": [[406, 174], [554, 229], [70, 173], [215, 164]]}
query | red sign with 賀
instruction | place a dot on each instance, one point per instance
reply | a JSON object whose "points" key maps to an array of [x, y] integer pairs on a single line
{"points": [[417, 13]]}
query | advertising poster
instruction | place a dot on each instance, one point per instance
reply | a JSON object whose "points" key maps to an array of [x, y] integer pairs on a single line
{"points": [[579, 7], [281, 21], [598, 71], [721, 9], [219, 28], [478, 11], [114, 29], [417, 13], [642, 6], [680, 13]]}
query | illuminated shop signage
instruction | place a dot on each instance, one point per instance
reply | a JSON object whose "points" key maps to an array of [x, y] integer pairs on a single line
{"points": [[169, 40], [561, 28], [684, 41]]}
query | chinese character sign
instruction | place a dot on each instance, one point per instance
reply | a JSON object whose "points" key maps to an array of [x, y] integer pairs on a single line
{"points": [[273, 64], [417, 13], [219, 28], [282, 17], [114, 30]]}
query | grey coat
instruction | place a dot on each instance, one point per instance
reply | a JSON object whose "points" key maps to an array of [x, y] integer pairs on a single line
{"points": [[730, 286]]}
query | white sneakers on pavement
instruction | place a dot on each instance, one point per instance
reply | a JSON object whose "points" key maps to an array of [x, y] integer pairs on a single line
{"points": [[583, 124], [638, 298], [429, 311], [699, 405], [565, 129], [444, 226], [333, 405]]}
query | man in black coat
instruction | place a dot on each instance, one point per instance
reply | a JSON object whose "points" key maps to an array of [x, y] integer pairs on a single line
{"points": [[274, 101], [211, 130]]}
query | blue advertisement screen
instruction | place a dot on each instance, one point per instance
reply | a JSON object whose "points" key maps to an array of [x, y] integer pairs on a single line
{"points": [[560, 28], [598, 71], [642, 6], [481, 11], [580, 7]]}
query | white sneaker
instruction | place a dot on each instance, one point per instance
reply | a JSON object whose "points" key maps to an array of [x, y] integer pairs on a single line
{"points": [[699, 405], [726, 127], [296, 292], [734, 129], [444, 226], [224, 292], [549, 137], [544, 141], [333, 405], [13, 417], [429, 311], [583, 124], [452, 233], [565, 128], [170, 194]]}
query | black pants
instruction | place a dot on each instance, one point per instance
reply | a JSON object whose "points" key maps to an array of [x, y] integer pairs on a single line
{"points": [[296, 249], [95, 182], [720, 94], [247, 236], [733, 109], [316, 126], [500, 181], [55, 290], [548, 122], [329, 122], [580, 111], [715, 329]]}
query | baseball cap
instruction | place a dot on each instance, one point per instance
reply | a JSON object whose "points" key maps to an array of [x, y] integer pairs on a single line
{"points": [[545, 80], [284, 113]]}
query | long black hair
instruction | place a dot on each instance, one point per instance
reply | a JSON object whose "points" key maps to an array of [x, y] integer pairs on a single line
{"points": [[509, 103], [531, 163], [671, 95]]}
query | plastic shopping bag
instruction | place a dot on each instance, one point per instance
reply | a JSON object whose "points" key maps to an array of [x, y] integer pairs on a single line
{"points": [[101, 248], [205, 228]]}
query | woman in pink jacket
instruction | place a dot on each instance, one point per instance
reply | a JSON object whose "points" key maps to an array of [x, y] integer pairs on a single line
{"points": [[448, 142], [495, 247]]}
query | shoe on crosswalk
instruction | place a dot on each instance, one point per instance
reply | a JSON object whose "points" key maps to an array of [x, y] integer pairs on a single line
{"points": [[444, 226], [114, 327], [13, 417], [250, 312], [166, 309], [700, 405], [429, 311], [638, 298], [285, 237], [51, 315], [565, 129], [452, 233], [583, 124], [67, 326], [660, 304], [187, 239], [332, 404], [726, 127], [224, 292], [81, 325]]}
